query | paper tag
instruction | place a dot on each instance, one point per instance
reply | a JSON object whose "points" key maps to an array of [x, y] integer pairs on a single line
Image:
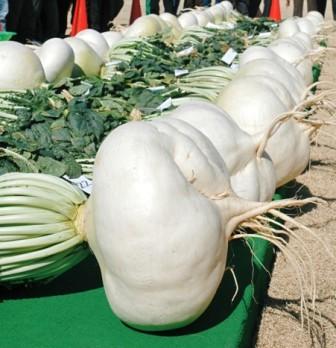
{"points": [[165, 105], [229, 56], [81, 182], [156, 88], [211, 25], [186, 52], [223, 25], [264, 35], [113, 62], [181, 72]]}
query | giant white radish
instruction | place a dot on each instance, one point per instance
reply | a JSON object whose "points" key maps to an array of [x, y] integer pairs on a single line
{"points": [[87, 61], [57, 58], [244, 100], [20, 67]]}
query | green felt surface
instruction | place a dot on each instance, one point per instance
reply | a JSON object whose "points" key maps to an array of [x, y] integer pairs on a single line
{"points": [[72, 311]]}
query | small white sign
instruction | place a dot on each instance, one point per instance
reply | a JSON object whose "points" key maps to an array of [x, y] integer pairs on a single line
{"points": [[156, 88], [165, 105], [186, 52], [265, 35], [181, 72], [211, 25], [229, 56], [82, 183], [223, 25]]}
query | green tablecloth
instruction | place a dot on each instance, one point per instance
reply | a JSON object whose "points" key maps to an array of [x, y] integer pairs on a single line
{"points": [[72, 311]]}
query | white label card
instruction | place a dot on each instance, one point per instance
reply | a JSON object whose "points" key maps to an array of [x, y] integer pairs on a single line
{"points": [[186, 52], [81, 182], [181, 72], [165, 105], [265, 35], [229, 56], [211, 25], [156, 88]]}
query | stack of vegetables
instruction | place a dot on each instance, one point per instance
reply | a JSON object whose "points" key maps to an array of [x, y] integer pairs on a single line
{"points": [[171, 188]]}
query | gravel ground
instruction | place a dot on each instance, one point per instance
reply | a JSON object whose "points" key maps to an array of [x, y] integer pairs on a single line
{"points": [[280, 325]]}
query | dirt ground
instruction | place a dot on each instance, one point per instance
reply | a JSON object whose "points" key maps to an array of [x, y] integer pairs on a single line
{"points": [[280, 325]]}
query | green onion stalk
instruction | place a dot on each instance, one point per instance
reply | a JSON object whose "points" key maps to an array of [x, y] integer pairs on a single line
{"points": [[206, 82], [40, 229], [125, 50], [194, 36]]}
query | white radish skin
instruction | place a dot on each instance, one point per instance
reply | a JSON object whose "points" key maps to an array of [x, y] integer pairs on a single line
{"points": [[256, 52], [315, 20], [306, 26], [293, 54], [278, 89], [57, 58], [87, 61], [278, 71], [271, 63], [112, 37], [291, 156], [288, 28], [173, 23], [20, 67], [293, 41], [218, 12], [96, 40], [259, 52], [287, 49], [289, 146], [318, 15], [210, 15], [142, 27], [143, 248], [162, 23], [254, 107], [304, 39], [256, 179], [228, 8], [187, 19], [237, 149], [202, 18]]}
